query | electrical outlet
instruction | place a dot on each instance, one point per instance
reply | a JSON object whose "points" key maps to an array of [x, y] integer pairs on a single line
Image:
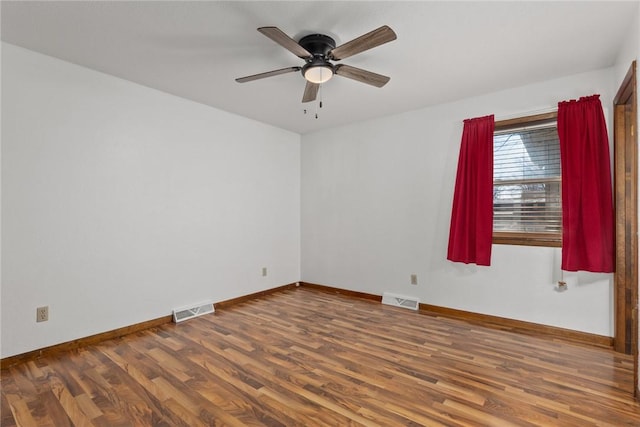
{"points": [[414, 279], [42, 314], [264, 271]]}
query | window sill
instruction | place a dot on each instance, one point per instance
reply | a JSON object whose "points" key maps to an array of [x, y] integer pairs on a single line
{"points": [[553, 240]]}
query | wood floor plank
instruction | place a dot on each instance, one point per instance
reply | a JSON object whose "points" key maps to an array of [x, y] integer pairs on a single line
{"points": [[72, 410], [301, 357], [160, 414], [6, 416], [20, 410]]}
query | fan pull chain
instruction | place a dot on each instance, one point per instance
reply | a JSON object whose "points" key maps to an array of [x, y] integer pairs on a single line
{"points": [[320, 91], [318, 105]]}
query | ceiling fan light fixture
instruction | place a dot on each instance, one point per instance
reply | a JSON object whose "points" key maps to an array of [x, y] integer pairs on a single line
{"points": [[318, 73]]}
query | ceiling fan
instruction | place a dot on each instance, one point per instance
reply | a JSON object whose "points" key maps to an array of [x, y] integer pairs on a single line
{"points": [[318, 50]]}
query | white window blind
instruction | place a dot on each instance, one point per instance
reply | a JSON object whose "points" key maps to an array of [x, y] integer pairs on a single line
{"points": [[527, 180]]}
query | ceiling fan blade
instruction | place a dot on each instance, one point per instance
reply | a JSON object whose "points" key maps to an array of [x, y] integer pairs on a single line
{"points": [[367, 41], [310, 92], [275, 34], [268, 74], [364, 76]]}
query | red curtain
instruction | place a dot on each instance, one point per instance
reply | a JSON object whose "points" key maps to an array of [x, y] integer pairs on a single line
{"points": [[587, 203], [471, 228]]}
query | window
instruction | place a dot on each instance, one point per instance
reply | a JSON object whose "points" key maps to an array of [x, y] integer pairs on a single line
{"points": [[527, 206]]}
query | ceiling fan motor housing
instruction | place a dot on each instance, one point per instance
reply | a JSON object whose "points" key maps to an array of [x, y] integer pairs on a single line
{"points": [[318, 45]]}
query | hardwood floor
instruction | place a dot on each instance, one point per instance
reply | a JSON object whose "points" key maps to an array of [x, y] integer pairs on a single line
{"points": [[302, 357]]}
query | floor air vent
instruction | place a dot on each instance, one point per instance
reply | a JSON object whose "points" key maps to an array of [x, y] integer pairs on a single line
{"points": [[186, 313], [403, 301]]}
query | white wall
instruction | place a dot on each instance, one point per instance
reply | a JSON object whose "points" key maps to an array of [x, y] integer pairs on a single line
{"points": [[120, 202], [376, 206], [0, 200], [629, 50]]}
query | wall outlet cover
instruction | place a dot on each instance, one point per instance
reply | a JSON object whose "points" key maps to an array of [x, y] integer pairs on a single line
{"points": [[42, 314]]}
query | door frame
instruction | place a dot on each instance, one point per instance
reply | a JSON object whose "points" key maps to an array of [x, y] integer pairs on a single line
{"points": [[626, 213]]}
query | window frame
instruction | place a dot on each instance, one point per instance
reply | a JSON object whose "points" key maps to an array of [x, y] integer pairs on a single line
{"points": [[526, 238]]}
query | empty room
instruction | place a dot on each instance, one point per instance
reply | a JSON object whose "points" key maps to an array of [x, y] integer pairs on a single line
{"points": [[319, 213]]}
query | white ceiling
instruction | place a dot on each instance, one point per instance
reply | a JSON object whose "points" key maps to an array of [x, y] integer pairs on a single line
{"points": [[445, 50]]}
